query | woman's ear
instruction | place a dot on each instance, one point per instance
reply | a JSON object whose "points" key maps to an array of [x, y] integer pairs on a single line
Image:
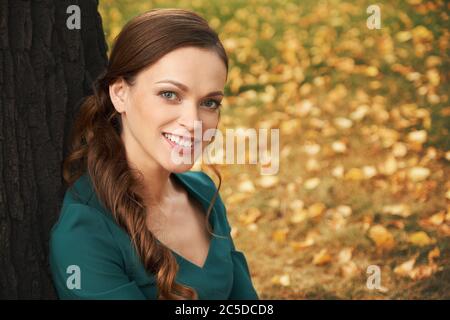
{"points": [[118, 91]]}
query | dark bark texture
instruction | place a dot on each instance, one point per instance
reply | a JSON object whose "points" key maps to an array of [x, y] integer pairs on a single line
{"points": [[45, 71]]}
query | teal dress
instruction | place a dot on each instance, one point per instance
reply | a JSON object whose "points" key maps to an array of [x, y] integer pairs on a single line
{"points": [[92, 257]]}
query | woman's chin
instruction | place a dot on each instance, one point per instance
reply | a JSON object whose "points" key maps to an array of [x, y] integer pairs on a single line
{"points": [[179, 168], [178, 165]]}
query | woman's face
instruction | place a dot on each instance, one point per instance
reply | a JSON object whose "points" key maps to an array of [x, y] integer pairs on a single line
{"points": [[165, 102]]}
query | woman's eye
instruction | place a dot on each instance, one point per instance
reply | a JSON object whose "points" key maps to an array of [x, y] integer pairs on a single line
{"points": [[216, 104], [167, 94]]}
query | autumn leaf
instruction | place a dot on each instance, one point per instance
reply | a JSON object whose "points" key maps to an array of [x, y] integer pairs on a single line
{"points": [[322, 258], [345, 255], [423, 271], [283, 280], [435, 220], [343, 123], [389, 166], [280, 235], [251, 216], [246, 186], [349, 269], [402, 210], [405, 268], [299, 216], [311, 183], [419, 136], [433, 254], [268, 181], [236, 198], [299, 245], [316, 209], [344, 210], [354, 174], [417, 174], [339, 147], [420, 239], [383, 239]]}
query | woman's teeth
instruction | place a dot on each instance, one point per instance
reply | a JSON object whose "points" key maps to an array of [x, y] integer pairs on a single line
{"points": [[182, 142]]}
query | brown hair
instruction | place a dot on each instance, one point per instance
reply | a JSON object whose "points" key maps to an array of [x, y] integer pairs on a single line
{"points": [[96, 145]]}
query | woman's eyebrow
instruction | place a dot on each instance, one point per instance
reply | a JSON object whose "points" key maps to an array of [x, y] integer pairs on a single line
{"points": [[185, 88]]}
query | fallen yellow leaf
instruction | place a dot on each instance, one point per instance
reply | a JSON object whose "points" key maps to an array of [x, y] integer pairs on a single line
{"points": [[419, 136], [280, 235], [399, 149], [246, 186], [417, 174], [349, 269], [316, 209], [251, 216], [236, 198], [382, 237], [403, 36], [344, 210], [424, 271], [354, 174], [322, 258], [296, 204], [406, 267], [433, 254], [437, 218], [339, 147], [299, 216], [402, 210], [298, 245], [312, 165], [345, 255], [283, 280], [311, 183], [369, 171], [268, 181], [420, 239]]}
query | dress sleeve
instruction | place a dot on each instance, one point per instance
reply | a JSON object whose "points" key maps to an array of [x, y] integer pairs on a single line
{"points": [[85, 261]]}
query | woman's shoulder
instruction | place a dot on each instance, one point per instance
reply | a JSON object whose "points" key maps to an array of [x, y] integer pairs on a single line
{"points": [[75, 217], [81, 234], [80, 213], [81, 193], [79, 230], [82, 246]]}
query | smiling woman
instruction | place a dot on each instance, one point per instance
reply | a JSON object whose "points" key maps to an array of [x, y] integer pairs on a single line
{"points": [[135, 224]]}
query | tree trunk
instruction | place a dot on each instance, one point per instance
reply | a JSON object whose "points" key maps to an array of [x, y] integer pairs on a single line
{"points": [[45, 69]]}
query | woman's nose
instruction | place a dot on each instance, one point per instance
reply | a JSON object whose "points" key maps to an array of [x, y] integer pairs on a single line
{"points": [[189, 116]]}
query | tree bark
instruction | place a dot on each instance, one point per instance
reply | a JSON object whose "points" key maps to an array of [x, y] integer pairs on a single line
{"points": [[45, 70]]}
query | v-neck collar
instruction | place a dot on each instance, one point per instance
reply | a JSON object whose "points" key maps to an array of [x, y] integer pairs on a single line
{"points": [[204, 203], [88, 193]]}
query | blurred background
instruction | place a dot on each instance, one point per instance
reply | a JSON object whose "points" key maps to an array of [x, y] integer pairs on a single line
{"points": [[364, 142]]}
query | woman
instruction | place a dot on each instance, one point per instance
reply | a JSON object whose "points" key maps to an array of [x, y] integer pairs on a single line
{"points": [[135, 222]]}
